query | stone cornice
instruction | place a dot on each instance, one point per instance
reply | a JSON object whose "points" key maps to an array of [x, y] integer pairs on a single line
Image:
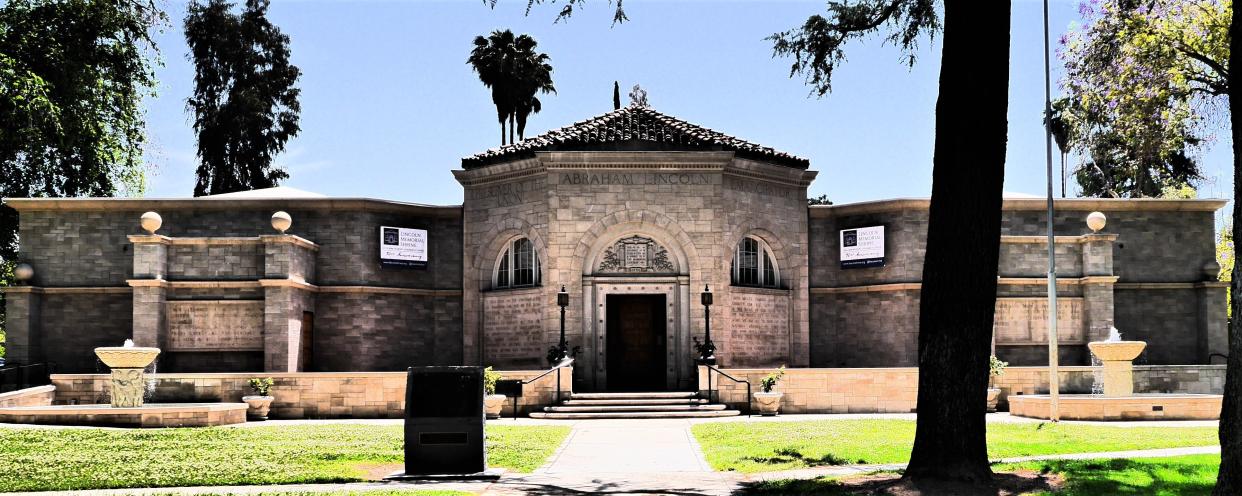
{"points": [[389, 290], [1022, 281], [1171, 285], [1025, 204], [66, 290], [297, 241], [153, 239], [292, 282], [208, 203], [1043, 240], [869, 288]]}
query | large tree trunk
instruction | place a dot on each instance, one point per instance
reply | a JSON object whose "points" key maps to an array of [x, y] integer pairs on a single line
{"points": [[963, 239], [511, 126], [1229, 480]]}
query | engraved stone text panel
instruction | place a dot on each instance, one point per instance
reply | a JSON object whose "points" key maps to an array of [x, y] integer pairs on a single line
{"points": [[215, 325], [1025, 320]]}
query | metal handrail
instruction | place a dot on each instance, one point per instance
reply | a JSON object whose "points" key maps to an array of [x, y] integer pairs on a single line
{"points": [[711, 390], [23, 377], [555, 368]]}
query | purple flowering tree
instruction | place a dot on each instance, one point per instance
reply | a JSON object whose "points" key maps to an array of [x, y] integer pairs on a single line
{"points": [[1143, 81]]}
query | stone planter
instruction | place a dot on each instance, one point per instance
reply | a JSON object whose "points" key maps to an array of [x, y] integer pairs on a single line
{"points": [[768, 403], [993, 399], [492, 404], [259, 406]]}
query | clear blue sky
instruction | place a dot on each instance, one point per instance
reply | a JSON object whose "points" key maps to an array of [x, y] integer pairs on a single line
{"points": [[389, 105]]}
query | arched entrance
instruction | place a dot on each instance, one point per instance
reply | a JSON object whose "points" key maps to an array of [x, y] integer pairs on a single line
{"points": [[635, 289]]}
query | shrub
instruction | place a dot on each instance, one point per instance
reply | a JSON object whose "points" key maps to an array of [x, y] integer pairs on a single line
{"points": [[770, 381], [489, 380], [261, 387]]}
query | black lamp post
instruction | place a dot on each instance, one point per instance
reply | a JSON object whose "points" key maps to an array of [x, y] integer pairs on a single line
{"points": [[562, 300], [707, 349]]}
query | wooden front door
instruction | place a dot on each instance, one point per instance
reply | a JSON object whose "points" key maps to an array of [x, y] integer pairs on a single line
{"points": [[636, 344]]}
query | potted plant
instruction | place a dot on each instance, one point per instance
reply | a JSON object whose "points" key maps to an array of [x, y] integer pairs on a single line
{"points": [[492, 402], [770, 401], [996, 368], [261, 401]]}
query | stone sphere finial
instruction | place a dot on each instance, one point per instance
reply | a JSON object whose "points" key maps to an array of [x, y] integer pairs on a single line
{"points": [[1211, 270], [23, 272], [1096, 221], [151, 222], [281, 221]]}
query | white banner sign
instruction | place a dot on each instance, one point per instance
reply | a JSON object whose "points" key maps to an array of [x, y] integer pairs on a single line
{"points": [[862, 247], [402, 247]]}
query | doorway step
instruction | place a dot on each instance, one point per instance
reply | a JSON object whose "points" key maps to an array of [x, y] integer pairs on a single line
{"points": [[634, 406]]}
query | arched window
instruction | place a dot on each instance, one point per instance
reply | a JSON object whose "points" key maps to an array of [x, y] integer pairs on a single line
{"points": [[518, 266], [753, 265]]}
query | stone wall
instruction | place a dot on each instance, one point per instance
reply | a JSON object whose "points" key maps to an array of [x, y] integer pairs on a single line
{"points": [[86, 251], [759, 335], [35, 396], [301, 395], [513, 332], [895, 390], [1155, 256], [74, 324]]}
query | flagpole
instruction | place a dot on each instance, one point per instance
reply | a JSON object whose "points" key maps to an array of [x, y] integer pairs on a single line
{"points": [[1054, 383]]}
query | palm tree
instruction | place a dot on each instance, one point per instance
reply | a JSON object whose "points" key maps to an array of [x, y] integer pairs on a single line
{"points": [[490, 59], [515, 72], [532, 75]]}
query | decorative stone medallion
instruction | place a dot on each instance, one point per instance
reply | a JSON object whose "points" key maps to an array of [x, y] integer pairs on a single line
{"points": [[636, 255]]}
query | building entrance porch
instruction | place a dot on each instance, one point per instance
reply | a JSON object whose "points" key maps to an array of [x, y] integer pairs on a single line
{"points": [[636, 343]]}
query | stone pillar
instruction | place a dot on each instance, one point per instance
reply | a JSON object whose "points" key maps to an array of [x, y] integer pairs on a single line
{"points": [[1097, 288], [288, 269], [1213, 336], [150, 289], [150, 324], [23, 339]]}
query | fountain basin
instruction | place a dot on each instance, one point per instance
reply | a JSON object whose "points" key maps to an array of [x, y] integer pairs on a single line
{"points": [[126, 357], [1132, 407], [151, 415], [1115, 351]]}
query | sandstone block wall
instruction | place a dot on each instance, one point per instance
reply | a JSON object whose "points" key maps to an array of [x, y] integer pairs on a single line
{"points": [[895, 390], [301, 395]]}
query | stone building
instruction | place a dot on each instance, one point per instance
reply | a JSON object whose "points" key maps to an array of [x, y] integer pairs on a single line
{"points": [[634, 213]]}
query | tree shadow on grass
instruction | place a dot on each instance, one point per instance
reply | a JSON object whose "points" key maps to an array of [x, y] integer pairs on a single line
{"points": [[890, 484], [1130, 476], [792, 455]]}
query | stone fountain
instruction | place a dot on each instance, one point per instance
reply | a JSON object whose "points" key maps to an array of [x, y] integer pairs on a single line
{"points": [[128, 364], [1118, 401], [1117, 356]]}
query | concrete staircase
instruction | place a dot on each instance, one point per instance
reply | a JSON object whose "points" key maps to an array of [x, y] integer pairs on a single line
{"points": [[634, 406]]}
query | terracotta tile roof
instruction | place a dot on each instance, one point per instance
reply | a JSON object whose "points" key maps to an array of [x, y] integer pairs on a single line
{"points": [[632, 128]]}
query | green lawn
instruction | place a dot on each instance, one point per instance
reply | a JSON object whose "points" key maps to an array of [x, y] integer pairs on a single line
{"points": [[768, 446], [1174, 476], [70, 459], [380, 492]]}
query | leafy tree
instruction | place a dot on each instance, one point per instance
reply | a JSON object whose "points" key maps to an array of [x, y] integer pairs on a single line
{"points": [[515, 72], [72, 78], [1060, 122], [1144, 78], [1229, 479], [638, 96], [819, 200], [963, 236], [245, 101], [1225, 258]]}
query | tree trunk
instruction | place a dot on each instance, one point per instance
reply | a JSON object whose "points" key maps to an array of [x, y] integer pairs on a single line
{"points": [[502, 131], [963, 242], [511, 129], [1229, 480]]}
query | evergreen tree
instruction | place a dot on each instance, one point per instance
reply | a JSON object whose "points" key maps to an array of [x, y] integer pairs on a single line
{"points": [[616, 95], [245, 101]]}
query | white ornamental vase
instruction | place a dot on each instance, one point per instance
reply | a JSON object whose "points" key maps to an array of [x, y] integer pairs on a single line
{"points": [[768, 403], [492, 404], [993, 399], [259, 407]]}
